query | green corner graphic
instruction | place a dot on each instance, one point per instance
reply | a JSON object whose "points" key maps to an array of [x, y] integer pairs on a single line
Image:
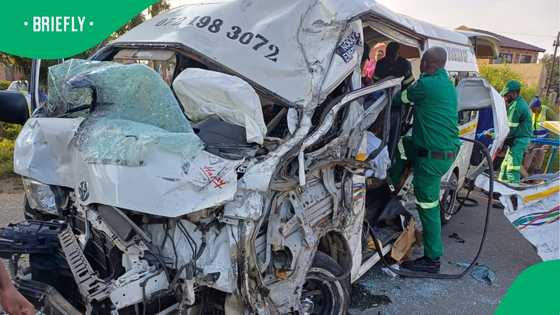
{"points": [[62, 28], [535, 291]]}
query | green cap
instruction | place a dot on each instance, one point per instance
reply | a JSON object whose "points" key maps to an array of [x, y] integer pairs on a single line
{"points": [[511, 85]]}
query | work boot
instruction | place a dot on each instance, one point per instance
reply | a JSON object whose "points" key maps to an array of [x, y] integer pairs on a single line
{"points": [[422, 264]]}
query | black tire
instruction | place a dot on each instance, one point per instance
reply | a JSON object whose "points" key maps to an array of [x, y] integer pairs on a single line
{"points": [[325, 292], [448, 202]]}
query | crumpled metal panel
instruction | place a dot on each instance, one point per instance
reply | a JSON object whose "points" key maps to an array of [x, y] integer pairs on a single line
{"points": [[287, 47], [166, 184], [296, 49], [245, 205], [43, 150], [215, 257], [134, 149]]}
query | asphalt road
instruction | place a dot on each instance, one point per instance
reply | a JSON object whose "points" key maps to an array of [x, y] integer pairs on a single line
{"points": [[11, 200], [506, 253]]}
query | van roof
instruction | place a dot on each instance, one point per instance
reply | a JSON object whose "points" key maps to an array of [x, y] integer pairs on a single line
{"points": [[299, 50]]}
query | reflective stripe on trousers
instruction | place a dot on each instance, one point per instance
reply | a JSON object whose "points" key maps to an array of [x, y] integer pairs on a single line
{"points": [[511, 165], [428, 205]]}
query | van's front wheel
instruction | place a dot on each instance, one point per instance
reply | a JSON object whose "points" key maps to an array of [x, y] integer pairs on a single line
{"points": [[448, 202], [325, 292]]}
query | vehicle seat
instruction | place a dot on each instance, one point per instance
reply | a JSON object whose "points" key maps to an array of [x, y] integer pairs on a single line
{"points": [[224, 139]]}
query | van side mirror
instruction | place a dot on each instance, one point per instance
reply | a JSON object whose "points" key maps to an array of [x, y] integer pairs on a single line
{"points": [[14, 107]]}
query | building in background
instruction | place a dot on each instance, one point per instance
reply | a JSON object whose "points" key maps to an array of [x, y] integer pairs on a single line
{"points": [[7, 73], [512, 51], [516, 55]]}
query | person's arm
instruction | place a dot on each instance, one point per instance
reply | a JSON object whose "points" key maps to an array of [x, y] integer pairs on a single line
{"points": [[414, 94], [12, 301], [513, 122], [378, 71], [408, 77]]}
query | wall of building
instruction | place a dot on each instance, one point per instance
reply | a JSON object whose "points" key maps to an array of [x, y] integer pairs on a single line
{"points": [[518, 53]]}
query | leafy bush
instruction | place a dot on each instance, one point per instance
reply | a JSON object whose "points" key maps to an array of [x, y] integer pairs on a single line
{"points": [[528, 92], [499, 76], [8, 133], [4, 84], [6, 157]]}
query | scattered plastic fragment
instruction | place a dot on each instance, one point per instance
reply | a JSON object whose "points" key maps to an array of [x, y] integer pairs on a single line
{"points": [[457, 238], [481, 273], [389, 272]]}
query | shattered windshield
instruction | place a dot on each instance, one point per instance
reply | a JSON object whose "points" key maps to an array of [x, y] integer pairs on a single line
{"points": [[129, 110]]}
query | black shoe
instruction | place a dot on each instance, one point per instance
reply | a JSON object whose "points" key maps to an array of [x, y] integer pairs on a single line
{"points": [[423, 264]]}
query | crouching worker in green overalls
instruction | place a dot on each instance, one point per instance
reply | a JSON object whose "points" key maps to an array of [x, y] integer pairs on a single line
{"points": [[520, 132], [431, 149]]}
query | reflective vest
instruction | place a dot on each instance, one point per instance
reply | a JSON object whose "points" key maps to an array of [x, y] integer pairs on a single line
{"points": [[543, 116]]}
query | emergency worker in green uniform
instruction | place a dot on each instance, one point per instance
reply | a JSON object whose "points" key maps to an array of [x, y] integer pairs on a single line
{"points": [[432, 149], [520, 132]]}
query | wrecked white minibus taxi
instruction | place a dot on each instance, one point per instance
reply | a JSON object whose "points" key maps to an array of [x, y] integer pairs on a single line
{"points": [[212, 160]]}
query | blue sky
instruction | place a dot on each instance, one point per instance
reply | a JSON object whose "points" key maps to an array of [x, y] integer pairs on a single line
{"points": [[533, 21]]}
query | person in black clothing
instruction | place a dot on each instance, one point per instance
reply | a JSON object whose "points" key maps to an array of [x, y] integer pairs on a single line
{"points": [[393, 65]]}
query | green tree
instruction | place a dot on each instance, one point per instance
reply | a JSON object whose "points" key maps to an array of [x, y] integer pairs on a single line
{"points": [[153, 10], [554, 77], [22, 65], [499, 75], [159, 7], [135, 21], [8, 133], [4, 84]]}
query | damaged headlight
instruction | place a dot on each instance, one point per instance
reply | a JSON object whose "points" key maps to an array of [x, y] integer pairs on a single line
{"points": [[40, 196]]}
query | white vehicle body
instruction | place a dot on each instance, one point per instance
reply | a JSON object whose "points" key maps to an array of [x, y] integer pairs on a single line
{"points": [[256, 222]]}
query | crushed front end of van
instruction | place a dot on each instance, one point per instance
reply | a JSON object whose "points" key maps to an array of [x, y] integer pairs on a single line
{"points": [[213, 160], [171, 175]]}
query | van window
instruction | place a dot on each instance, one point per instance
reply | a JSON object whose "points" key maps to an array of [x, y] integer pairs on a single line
{"points": [[457, 76], [466, 116], [163, 62]]}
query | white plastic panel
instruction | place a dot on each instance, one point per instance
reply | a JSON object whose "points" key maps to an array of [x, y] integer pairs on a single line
{"points": [[477, 93]]}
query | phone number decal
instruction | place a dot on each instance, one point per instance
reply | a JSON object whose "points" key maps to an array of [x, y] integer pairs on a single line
{"points": [[215, 25]]}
